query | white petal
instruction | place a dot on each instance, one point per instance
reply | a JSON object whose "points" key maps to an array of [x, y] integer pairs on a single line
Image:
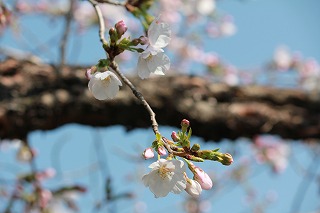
{"points": [[179, 164], [91, 83], [158, 186], [115, 78], [102, 75], [159, 34], [159, 64], [142, 68], [154, 165], [150, 51], [99, 90], [170, 165], [161, 189], [162, 161], [112, 89], [145, 54], [162, 42], [179, 186], [148, 179]]}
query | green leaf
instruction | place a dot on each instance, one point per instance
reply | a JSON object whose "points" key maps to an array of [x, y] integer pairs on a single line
{"points": [[103, 63], [189, 133], [215, 150]]}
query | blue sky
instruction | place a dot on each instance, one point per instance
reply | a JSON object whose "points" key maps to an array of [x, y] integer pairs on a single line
{"points": [[262, 26]]}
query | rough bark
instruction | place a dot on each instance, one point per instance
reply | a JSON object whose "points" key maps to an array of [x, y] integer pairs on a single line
{"points": [[33, 97]]}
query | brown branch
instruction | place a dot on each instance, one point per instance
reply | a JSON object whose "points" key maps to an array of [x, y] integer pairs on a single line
{"points": [[101, 21], [32, 97], [66, 32], [115, 67], [139, 96]]}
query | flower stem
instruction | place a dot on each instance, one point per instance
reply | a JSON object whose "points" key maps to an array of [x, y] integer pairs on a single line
{"points": [[138, 95]]}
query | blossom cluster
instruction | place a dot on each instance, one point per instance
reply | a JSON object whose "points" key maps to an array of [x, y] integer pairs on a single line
{"points": [[104, 84], [271, 151], [30, 189], [170, 175]]}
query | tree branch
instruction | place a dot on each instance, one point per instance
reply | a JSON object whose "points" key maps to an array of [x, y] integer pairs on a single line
{"points": [[101, 21], [32, 97], [66, 32]]}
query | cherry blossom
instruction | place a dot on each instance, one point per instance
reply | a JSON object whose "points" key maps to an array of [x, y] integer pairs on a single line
{"points": [[273, 151], [104, 85], [282, 58], [166, 176], [152, 59], [162, 151]]}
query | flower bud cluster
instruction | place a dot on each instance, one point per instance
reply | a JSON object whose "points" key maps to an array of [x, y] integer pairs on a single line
{"points": [[170, 169], [214, 155], [117, 44]]}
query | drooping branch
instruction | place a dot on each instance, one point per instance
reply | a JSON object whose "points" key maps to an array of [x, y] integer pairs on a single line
{"points": [[32, 97], [139, 96]]}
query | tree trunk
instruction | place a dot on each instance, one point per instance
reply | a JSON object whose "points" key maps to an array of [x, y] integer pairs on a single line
{"points": [[34, 97]]}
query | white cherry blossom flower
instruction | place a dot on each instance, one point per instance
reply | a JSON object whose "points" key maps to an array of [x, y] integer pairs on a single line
{"points": [[166, 176], [152, 59], [159, 34], [162, 151], [104, 85]]}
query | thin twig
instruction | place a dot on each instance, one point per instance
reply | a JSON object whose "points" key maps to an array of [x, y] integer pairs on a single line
{"points": [[305, 183], [115, 67], [101, 21], [12, 199], [33, 167], [138, 95], [64, 39]]}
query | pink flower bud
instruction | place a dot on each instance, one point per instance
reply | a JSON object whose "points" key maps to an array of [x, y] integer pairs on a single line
{"points": [[148, 153], [175, 136], [203, 178], [185, 123], [227, 159], [88, 74], [143, 40], [162, 151], [121, 28]]}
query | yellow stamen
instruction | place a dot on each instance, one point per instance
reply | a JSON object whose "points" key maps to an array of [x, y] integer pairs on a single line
{"points": [[163, 172]]}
